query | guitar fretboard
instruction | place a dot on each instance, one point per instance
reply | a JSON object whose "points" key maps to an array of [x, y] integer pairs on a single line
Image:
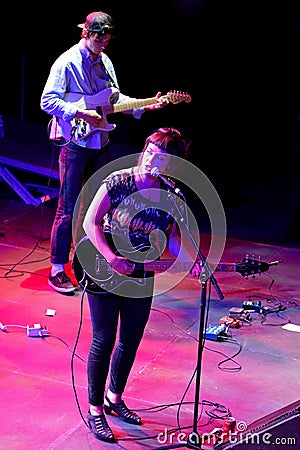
{"points": [[138, 103], [164, 264]]}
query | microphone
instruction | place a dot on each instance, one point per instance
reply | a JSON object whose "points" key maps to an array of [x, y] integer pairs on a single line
{"points": [[155, 172]]}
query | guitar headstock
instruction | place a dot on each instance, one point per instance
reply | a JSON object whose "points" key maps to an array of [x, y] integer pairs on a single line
{"points": [[177, 97], [250, 267]]}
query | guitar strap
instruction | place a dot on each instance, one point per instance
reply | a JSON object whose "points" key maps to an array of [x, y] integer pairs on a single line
{"points": [[107, 73]]}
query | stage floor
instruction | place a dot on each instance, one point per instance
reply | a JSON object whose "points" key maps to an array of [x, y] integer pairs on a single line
{"points": [[251, 372]]}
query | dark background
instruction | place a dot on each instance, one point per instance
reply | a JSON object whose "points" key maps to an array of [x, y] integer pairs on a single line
{"points": [[238, 60]]}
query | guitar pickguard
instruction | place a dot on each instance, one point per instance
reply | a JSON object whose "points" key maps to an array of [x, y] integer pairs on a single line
{"points": [[94, 273], [78, 129]]}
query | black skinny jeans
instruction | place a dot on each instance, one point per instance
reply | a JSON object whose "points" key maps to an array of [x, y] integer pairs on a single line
{"points": [[106, 312], [76, 166]]}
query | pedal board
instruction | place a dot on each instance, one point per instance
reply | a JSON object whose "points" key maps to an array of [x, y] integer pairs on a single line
{"points": [[214, 333]]}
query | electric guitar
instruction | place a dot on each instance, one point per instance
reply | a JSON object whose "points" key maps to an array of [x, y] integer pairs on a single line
{"points": [[104, 103], [95, 275]]}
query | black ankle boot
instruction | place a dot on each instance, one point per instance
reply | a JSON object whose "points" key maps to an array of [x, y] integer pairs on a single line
{"points": [[100, 427], [121, 410]]}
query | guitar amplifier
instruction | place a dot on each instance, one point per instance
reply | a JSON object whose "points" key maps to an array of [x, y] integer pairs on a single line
{"points": [[277, 430]]}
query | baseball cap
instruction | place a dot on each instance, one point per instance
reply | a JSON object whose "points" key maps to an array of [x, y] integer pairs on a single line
{"points": [[98, 22]]}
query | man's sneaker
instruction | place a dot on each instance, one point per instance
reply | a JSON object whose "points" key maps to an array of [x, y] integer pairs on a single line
{"points": [[61, 283]]}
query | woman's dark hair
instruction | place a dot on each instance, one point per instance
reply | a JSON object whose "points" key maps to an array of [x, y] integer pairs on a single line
{"points": [[170, 140]]}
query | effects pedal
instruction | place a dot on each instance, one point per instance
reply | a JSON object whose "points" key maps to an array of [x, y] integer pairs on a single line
{"points": [[230, 322], [236, 311], [240, 314], [214, 333], [252, 306]]}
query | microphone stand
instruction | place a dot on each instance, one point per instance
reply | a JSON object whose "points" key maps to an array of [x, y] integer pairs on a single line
{"points": [[194, 440]]}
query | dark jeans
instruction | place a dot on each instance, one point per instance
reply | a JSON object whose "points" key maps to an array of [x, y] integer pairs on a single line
{"points": [[106, 311], [76, 166]]}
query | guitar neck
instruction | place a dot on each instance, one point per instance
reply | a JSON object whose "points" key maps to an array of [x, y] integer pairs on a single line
{"points": [[164, 264], [138, 103]]}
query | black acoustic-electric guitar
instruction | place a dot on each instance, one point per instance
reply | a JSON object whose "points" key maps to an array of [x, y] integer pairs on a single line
{"points": [[95, 275]]}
